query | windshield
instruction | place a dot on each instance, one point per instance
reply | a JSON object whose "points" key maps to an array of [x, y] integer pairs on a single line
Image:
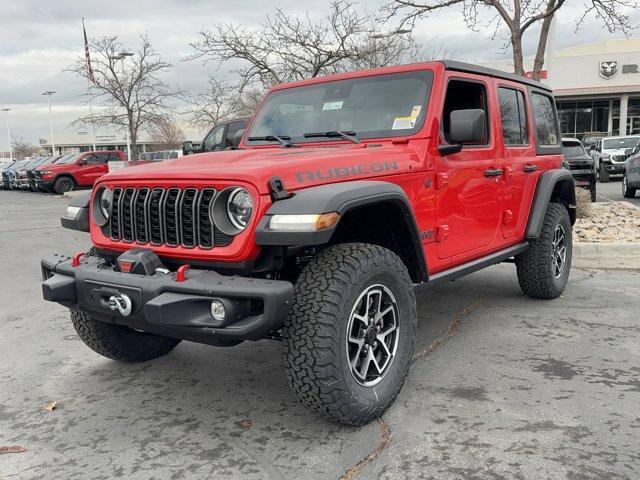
{"points": [[368, 107], [70, 159], [572, 150], [616, 143]]}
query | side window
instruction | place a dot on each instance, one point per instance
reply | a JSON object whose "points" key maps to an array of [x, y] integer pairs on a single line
{"points": [[545, 119], [231, 132], [463, 95], [114, 157], [91, 159], [214, 139], [515, 130]]}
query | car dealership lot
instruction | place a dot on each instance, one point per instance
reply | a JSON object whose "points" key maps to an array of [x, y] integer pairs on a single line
{"points": [[503, 386], [612, 192]]}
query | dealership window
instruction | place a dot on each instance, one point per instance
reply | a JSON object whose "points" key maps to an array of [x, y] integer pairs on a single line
{"points": [[545, 119], [514, 116], [579, 118]]}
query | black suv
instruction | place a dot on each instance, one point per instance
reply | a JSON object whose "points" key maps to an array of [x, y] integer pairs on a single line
{"points": [[221, 137], [581, 165]]}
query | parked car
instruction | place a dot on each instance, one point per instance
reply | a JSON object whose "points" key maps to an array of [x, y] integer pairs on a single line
{"points": [[31, 171], [79, 170], [581, 165], [7, 173], [148, 157], [401, 178], [22, 174], [631, 176], [220, 137], [5, 162], [611, 153], [589, 140]]}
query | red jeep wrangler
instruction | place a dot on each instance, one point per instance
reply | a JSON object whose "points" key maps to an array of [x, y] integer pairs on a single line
{"points": [[79, 170], [348, 194]]}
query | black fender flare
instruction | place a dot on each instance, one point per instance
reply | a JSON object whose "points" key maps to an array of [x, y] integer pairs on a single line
{"points": [[78, 218], [340, 198], [558, 182]]}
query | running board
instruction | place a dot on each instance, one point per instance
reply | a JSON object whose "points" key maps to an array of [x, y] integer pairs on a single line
{"points": [[473, 266]]}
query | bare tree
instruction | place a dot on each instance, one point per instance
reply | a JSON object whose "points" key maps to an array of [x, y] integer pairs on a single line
{"points": [[518, 16], [167, 135], [287, 48], [222, 101], [22, 147], [129, 93]]}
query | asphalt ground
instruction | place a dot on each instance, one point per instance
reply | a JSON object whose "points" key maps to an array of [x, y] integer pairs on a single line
{"points": [[502, 387], [612, 192]]}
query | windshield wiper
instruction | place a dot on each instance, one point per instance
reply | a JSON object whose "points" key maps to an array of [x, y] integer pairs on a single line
{"points": [[284, 139], [349, 135]]}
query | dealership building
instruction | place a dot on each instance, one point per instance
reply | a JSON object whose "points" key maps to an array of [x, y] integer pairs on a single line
{"points": [[597, 86], [82, 141]]}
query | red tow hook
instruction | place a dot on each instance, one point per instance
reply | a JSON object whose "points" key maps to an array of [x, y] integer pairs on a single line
{"points": [[181, 274], [76, 259]]}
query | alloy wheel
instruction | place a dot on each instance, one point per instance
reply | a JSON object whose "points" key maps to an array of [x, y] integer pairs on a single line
{"points": [[372, 335], [559, 256]]}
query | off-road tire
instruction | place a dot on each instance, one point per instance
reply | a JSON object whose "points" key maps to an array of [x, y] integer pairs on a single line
{"points": [[64, 184], [314, 335], [627, 191], [603, 175], [535, 266], [118, 342]]}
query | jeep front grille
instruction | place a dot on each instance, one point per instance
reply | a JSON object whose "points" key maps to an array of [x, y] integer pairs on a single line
{"points": [[158, 216]]}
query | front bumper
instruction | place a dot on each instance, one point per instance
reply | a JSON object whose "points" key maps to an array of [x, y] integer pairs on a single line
{"points": [[162, 305], [44, 184], [615, 168]]}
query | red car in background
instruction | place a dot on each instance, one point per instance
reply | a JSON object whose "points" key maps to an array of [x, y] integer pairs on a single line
{"points": [[79, 170]]}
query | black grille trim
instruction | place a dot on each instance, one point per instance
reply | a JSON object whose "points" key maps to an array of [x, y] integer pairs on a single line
{"points": [[170, 217]]}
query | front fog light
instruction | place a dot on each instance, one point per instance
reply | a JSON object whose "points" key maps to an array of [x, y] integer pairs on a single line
{"points": [[218, 312]]}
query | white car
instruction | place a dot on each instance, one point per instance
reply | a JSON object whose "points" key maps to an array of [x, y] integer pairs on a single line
{"points": [[611, 153]]}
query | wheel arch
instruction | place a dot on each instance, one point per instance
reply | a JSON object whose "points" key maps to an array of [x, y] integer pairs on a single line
{"points": [[556, 186], [360, 204]]}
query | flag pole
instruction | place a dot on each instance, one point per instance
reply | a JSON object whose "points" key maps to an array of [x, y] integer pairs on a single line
{"points": [[90, 79]]}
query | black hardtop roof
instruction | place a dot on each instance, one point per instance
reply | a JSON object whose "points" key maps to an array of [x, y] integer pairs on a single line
{"points": [[491, 72]]}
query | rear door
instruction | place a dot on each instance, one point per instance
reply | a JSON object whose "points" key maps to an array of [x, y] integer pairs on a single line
{"points": [[468, 183], [521, 166]]}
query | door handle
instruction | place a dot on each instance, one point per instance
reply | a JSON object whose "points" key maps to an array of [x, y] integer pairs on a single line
{"points": [[493, 172], [530, 168]]}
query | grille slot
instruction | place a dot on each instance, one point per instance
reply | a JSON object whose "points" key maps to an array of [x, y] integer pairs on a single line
{"points": [[127, 215], [172, 217]]}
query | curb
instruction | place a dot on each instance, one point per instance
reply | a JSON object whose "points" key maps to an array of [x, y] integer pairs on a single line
{"points": [[73, 193], [612, 250]]}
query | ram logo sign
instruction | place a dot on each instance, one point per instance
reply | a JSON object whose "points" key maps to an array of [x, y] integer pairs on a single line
{"points": [[608, 69]]}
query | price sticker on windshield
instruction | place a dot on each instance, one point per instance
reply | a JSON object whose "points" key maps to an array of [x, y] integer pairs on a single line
{"points": [[404, 123], [337, 105]]}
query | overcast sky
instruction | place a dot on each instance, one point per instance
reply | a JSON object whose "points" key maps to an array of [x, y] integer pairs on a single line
{"points": [[39, 38]]}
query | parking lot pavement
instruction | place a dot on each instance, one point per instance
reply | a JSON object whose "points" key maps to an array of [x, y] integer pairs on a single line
{"points": [[612, 192], [503, 387]]}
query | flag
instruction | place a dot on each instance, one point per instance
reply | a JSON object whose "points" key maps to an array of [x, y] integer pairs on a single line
{"points": [[86, 54]]}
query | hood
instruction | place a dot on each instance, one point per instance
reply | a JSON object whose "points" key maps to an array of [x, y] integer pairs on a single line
{"points": [[54, 167], [297, 167]]}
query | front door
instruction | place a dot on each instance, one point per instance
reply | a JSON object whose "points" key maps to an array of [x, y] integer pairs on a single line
{"points": [[469, 183]]}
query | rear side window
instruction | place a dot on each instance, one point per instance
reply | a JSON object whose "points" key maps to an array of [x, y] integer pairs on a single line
{"points": [[545, 119], [515, 130]]}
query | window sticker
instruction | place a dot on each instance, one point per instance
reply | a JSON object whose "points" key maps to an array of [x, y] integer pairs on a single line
{"points": [[337, 105], [404, 123], [416, 110]]}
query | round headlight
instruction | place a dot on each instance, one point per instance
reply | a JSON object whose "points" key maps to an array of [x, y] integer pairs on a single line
{"points": [[239, 208], [104, 201]]}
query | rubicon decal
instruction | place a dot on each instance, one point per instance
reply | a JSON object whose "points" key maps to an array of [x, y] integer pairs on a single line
{"points": [[343, 172]]}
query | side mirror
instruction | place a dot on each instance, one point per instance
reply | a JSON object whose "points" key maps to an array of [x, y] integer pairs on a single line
{"points": [[237, 138], [82, 162], [468, 126], [187, 147]]}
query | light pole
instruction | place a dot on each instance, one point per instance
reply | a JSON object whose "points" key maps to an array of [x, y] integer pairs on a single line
{"points": [[6, 112], [121, 56], [53, 146]]}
